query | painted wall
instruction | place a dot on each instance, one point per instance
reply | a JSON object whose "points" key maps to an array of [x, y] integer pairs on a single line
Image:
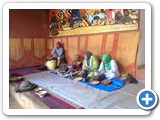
{"points": [[28, 32], [25, 52], [28, 23], [31, 48], [121, 45]]}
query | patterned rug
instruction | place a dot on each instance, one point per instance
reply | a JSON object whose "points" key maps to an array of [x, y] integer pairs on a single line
{"points": [[49, 100]]}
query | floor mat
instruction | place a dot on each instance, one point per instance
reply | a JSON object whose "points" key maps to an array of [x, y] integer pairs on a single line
{"points": [[111, 87], [84, 95], [49, 100], [115, 84]]}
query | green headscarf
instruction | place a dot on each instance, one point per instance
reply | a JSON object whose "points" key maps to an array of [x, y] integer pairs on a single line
{"points": [[107, 59]]}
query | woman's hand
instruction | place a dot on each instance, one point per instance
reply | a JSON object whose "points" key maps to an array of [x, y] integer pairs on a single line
{"points": [[53, 55], [88, 69], [97, 73], [102, 72]]}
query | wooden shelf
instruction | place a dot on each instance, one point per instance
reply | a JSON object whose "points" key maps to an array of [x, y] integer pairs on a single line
{"points": [[97, 29]]}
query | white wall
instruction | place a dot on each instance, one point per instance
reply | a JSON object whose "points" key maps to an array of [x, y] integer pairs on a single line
{"points": [[141, 48]]}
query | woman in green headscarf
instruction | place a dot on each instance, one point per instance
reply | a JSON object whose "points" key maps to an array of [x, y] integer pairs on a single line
{"points": [[108, 67]]}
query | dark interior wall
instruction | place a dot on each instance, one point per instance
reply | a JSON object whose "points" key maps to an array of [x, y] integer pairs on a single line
{"points": [[28, 23]]}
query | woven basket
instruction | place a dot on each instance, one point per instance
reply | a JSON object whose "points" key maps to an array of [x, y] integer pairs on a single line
{"points": [[52, 64], [15, 78]]}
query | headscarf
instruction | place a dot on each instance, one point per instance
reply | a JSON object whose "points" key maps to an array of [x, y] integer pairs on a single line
{"points": [[107, 59], [77, 58], [59, 44], [88, 54]]}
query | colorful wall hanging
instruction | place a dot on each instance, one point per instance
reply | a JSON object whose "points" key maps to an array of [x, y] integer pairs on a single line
{"points": [[64, 22]]}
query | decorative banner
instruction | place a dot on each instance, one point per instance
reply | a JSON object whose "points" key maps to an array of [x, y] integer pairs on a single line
{"points": [[64, 22]]}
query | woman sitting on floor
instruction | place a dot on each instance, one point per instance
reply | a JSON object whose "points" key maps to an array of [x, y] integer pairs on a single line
{"points": [[77, 62], [76, 65], [108, 69], [57, 53], [90, 65]]}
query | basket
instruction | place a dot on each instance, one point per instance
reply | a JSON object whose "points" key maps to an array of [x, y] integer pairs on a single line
{"points": [[15, 78], [52, 64]]}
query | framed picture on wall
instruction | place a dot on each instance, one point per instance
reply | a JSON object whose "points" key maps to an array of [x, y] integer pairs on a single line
{"points": [[64, 22]]}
